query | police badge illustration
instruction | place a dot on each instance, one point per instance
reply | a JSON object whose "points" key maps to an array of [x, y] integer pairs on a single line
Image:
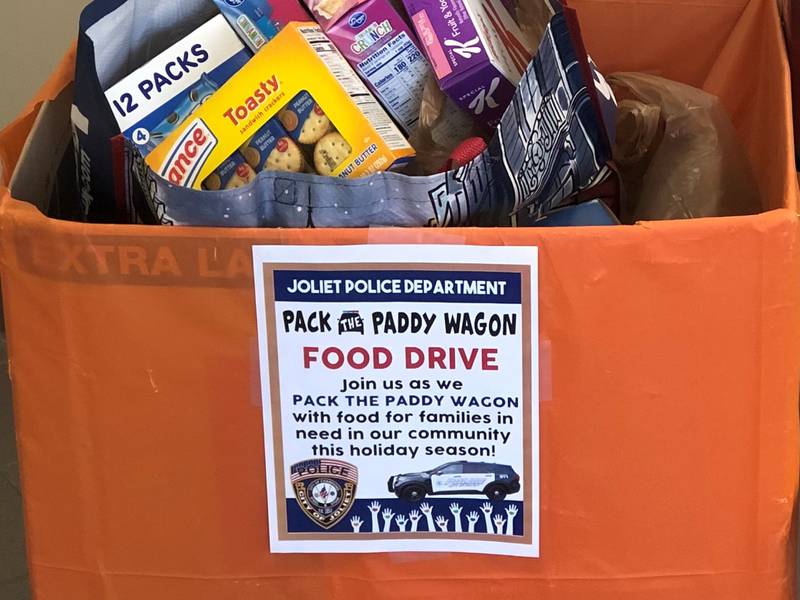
{"points": [[325, 489]]}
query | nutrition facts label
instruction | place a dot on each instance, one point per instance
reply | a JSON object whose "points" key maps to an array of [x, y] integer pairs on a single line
{"points": [[358, 92], [398, 71]]}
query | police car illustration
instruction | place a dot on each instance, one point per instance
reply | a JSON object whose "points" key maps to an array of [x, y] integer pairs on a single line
{"points": [[461, 477]]}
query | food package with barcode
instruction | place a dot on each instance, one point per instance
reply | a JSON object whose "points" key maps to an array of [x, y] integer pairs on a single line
{"points": [[303, 80], [382, 49]]}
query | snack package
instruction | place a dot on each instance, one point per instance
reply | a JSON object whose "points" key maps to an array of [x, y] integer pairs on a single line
{"points": [[593, 213], [234, 173], [321, 102], [378, 44], [154, 100], [307, 124], [328, 12], [477, 51], [258, 21], [271, 149]]}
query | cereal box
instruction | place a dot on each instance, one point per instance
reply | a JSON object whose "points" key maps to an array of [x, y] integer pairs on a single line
{"points": [[154, 100], [328, 12], [382, 49], [302, 79], [258, 21], [476, 49]]}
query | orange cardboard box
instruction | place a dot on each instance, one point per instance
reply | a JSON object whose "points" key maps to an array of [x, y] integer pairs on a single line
{"points": [[669, 414]]}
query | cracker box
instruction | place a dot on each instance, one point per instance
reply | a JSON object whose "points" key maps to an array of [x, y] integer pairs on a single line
{"points": [[272, 149], [258, 21], [234, 173], [376, 41], [152, 101], [300, 77], [476, 49]]}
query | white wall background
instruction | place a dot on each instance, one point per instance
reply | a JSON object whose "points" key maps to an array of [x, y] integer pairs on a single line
{"points": [[34, 34]]}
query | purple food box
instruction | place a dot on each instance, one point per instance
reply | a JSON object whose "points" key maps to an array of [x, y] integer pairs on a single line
{"points": [[385, 53], [476, 49]]}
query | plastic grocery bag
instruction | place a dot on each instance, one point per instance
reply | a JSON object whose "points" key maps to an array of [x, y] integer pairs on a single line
{"points": [[551, 144], [677, 153]]}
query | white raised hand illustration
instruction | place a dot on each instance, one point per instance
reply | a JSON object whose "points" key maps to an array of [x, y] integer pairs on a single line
{"points": [[486, 509], [456, 509], [472, 518], [442, 523], [401, 521], [356, 523], [427, 510], [388, 515], [375, 508], [499, 521], [511, 511], [414, 517]]}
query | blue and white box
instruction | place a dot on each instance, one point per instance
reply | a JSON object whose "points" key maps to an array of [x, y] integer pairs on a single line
{"points": [[155, 99]]}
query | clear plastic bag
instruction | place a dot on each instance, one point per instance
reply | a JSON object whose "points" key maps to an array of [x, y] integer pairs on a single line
{"points": [[678, 153]]}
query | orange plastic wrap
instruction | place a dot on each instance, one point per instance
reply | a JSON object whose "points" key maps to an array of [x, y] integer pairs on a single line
{"points": [[669, 425]]}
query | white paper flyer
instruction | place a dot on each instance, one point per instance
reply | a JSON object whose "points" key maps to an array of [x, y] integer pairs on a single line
{"points": [[400, 396]]}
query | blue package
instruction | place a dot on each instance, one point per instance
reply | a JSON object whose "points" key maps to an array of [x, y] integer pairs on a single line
{"points": [[588, 214], [258, 21], [175, 115]]}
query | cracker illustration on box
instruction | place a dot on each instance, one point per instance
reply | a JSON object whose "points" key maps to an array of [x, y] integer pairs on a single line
{"points": [[271, 149], [233, 173], [304, 119]]}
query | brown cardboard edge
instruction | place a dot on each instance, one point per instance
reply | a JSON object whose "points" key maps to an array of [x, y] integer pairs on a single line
{"points": [[47, 142]]}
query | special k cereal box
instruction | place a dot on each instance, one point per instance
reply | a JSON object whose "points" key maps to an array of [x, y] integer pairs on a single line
{"points": [[302, 79], [477, 51]]}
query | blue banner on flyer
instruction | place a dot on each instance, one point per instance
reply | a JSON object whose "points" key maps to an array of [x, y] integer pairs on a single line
{"points": [[407, 286]]}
